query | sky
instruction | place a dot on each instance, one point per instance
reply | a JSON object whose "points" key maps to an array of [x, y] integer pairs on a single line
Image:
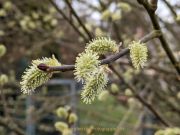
{"points": [[162, 10]]}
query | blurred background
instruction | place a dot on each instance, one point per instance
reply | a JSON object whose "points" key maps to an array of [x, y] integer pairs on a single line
{"points": [[31, 29]]}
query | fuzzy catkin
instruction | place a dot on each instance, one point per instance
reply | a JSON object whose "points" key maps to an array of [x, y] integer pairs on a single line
{"points": [[102, 45], [93, 86], [138, 54], [86, 63], [34, 77], [2, 50]]}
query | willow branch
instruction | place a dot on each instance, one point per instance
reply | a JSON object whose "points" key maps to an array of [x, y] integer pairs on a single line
{"points": [[108, 60], [11, 126], [78, 19], [170, 8], [137, 96], [5, 109], [114, 25], [68, 20], [151, 12]]}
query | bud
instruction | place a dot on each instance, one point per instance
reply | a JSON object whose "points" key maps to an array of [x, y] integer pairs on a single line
{"points": [[2, 33], [106, 14], [159, 132], [73, 118], [124, 6], [178, 95], [61, 126], [2, 50], [3, 13], [23, 24], [168, 131], [114, 88], [54, 22], [35, 15], [67, 132], [128, 92], [89, 130], [62, 112], [52, 10], [132, 101], [47, 18], [7, 5], [31, 24], [116, 16], [128, 74], [3, 79], [103, 96]]}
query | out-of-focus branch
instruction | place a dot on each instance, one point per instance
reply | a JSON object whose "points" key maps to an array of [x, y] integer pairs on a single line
{"points": [[151, 12], [136, 95], [11, 126], [170, 8], [68, 20], [107, 60], [78, 19], [125, 118], [114, 25], [3, 100]]}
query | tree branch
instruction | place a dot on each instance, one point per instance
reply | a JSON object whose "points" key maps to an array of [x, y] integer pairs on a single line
{"points": [[136, 95], [68, 20], [151, 13], [170, 8], [78, 19], [108, 60], [11, 126]]}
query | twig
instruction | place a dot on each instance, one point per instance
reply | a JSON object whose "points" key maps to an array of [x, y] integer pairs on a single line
{"points": [[107, 60], [116, 30], [146, 104], [11, 126], [114, 25], [4, 102], [151, 13], [170, 8], [68, 20], [78, 19]]}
